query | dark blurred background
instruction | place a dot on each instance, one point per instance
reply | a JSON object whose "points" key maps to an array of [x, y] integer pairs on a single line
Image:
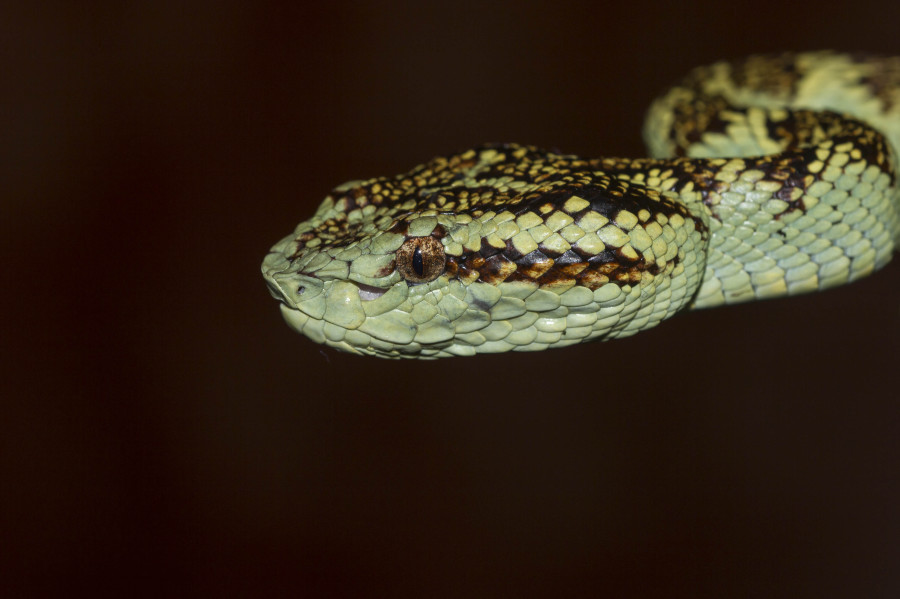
{"points": [[162, 429]]}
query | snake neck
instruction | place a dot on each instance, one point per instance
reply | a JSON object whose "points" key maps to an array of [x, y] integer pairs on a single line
{"points": [[808, 198]]}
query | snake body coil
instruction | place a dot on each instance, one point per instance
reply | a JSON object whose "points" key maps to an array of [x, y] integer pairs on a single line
{"points": [[773, 176]]}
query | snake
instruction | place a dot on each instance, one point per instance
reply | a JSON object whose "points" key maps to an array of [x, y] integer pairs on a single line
{"points": [[769, 176]]}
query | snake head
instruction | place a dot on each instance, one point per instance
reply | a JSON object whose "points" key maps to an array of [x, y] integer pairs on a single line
{"points": [[352, 275], [494, 249]]}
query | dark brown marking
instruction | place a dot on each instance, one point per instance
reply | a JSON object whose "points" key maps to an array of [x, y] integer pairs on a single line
{"points": [[496, 269]]}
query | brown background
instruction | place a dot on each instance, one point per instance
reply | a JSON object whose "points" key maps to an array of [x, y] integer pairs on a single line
{"points": [[162, 429]]}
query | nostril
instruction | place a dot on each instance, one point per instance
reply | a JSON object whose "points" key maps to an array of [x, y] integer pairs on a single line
{"points": [[300, 290]]}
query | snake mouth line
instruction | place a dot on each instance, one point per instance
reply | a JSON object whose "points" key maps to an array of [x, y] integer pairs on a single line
{"points": [[368, 293]]}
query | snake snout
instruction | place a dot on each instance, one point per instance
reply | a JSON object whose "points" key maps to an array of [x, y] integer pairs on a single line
{"points": [[274, 289], [293, 289]]}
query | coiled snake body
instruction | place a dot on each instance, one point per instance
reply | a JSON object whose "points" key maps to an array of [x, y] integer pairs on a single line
{"points": [[763, 185]]}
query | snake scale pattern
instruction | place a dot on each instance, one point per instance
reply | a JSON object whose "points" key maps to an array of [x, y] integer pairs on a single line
{"points": [[771, 176]]}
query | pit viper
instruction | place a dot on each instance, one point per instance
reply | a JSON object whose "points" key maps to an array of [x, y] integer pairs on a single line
{"points": [[771, 176]]}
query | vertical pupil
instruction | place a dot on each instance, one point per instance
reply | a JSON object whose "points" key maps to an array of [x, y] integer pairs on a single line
{"points": [[417, 263]]}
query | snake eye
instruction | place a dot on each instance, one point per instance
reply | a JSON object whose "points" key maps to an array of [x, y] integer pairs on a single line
{"points": [[420, 259], [417, 263]]}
